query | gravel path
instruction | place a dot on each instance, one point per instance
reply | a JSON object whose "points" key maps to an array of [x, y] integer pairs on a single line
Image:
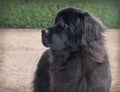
{"points": [[20, 50]]}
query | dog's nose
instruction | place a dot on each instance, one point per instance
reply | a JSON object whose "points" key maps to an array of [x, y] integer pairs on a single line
{"points": [[45, 31]]}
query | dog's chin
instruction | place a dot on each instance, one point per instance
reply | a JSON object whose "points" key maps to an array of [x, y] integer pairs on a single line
{"points": [[45, 43]]}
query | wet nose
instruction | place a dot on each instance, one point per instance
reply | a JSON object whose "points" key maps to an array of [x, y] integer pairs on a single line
{"points": [[45, 31]]}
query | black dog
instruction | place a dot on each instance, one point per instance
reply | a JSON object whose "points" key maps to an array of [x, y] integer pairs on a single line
{"points": [[76, 60]]}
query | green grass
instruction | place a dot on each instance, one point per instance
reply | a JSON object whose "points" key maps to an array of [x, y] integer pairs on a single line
{"points": [[39, 13]]}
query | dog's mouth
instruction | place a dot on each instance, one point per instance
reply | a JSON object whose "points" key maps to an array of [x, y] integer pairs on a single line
{"points": [[45, 40]]}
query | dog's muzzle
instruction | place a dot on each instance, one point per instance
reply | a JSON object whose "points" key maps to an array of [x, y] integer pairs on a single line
{"points": [[45, 38]]}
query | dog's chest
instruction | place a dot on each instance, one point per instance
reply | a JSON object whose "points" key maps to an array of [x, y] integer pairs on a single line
{"points": [[64, 74]]}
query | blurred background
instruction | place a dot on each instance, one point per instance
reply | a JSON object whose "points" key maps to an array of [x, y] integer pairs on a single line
{"points": [[41, 13], [20, 38]]}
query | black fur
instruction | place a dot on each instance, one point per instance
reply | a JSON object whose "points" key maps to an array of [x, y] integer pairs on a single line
{"points": [[76, 60]]}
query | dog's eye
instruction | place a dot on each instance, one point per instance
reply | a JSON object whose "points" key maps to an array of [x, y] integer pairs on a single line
{"points": [[64, 25]]}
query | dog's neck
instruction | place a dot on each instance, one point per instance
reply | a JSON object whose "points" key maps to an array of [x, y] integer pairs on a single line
{"points": [[64, 55]]}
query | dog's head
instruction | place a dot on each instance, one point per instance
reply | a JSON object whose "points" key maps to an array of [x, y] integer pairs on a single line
{"points": [[72, 29]]}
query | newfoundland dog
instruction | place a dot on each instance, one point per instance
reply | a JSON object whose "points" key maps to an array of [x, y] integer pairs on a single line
{"points": [[76, 60]]}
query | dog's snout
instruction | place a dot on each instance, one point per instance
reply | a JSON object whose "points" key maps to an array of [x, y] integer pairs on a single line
{"points": [[45, 31]]}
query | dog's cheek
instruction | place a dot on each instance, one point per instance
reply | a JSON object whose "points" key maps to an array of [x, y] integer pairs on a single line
{"points": [[57, 42]]}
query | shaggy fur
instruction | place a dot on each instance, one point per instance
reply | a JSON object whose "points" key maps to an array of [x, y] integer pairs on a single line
{"points": [[76, 60]]}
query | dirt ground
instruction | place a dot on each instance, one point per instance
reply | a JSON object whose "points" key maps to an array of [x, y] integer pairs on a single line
{"points": [[20, 50]]}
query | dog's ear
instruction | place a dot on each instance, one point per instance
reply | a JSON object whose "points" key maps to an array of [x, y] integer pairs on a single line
{"points": [[91, 37], [92, 29]]}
